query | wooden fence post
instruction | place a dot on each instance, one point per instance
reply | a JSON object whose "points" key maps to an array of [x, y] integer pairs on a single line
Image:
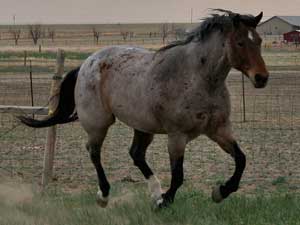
{"points": [[25, 57], [51, 133], [31, 86], [243, 96]]}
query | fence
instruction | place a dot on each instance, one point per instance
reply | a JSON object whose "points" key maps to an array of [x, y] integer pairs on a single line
{"points": [[270, 138]]}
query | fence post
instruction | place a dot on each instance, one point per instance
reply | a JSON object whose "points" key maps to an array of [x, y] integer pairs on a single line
{"points": [[51, 133], [31, 86], [25, 57], [244, 100]]}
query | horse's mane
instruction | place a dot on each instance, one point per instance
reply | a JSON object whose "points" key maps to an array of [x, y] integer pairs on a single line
{"points": [[212, 23]]}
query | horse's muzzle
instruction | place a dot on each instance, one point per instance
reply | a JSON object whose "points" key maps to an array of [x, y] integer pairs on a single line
{"points": [[260, 80]]}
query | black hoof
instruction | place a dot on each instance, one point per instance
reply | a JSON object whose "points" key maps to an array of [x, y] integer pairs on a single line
{"points": [[165, 201], [101, 201], [216, 195]]}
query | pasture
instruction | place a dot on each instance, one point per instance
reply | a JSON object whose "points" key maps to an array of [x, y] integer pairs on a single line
{"points": [[270, 138], [131, 206]]}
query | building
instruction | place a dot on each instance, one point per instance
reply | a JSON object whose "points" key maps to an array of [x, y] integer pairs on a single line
{"points": [[278, 25], [293, 36]]}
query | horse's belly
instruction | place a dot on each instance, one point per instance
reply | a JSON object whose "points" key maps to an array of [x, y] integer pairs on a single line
{"points": [[137, 117]]}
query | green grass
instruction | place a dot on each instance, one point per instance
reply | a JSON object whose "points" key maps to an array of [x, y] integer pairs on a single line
{"points": [[12, 56], [43, 55], [135, 208], [35, 69], [279, 181]]}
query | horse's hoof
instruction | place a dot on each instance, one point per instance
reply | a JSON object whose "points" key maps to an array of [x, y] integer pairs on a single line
{"points": [[157, 202], [163, 204], [216, 195], [164, 201], [160, 203], [154, 188], [101, 201]]}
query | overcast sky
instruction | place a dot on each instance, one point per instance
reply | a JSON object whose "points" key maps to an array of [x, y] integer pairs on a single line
{"points": [[132, 11]]}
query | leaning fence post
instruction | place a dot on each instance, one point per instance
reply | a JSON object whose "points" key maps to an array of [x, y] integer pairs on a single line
{"points": [[51, 133]]}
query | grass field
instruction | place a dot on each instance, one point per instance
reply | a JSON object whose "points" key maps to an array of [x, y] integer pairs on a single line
{"points": [[131, 205], [270, 187]]}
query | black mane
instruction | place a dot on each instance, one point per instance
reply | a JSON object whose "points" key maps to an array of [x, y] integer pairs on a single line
{"points": [[210, 24]]}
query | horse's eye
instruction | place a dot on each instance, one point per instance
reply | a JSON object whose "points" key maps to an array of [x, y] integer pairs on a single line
{"points": [[240, 44]]}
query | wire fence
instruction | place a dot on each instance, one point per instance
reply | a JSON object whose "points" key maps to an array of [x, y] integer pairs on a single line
{"points": [[270, 137]]}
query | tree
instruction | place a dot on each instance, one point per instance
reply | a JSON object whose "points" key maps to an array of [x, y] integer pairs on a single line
{"points": [[131, 35], [35, 32], [51, 33], [16, 33], [164, 31], [124, 33], [96, 35], [180, 33]]}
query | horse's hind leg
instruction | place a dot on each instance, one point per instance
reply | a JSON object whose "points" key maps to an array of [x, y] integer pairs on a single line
{"points": [[225, 140], [138, 149], [94, 147]]}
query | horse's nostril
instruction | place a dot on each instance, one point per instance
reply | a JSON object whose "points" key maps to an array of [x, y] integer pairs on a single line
{"points": [[260, 78]]}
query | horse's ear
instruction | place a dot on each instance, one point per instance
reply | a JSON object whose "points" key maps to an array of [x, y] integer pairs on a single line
{"points": [[258, 18]]}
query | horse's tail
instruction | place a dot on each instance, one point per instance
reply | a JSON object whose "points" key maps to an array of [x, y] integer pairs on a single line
{"points": [[64, 113]]}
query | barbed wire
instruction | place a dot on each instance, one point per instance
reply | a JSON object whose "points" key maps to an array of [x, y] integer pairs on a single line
{"points": [[19, 124]]}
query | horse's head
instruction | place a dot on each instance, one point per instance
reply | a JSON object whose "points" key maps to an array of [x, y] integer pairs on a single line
{"points": [[244, 49]]}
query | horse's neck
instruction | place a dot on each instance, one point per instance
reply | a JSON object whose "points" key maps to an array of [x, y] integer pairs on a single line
{"points": [[210, 60]]}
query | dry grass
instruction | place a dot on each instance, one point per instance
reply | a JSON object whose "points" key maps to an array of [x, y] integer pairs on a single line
{"points": [[134, 207]]}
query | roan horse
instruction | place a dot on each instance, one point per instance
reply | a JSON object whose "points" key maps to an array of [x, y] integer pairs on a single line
{"points": [[178, 90]]}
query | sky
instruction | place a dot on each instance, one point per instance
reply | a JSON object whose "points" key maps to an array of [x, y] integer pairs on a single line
{"points": [[132, 11]]}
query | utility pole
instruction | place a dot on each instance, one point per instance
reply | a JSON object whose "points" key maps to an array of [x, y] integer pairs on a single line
{"points": [[191, 15], [14, 18]]}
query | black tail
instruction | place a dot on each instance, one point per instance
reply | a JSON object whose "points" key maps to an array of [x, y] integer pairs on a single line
{"points": [[64, 113]]}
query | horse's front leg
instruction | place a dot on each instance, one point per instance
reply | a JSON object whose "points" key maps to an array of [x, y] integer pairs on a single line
{"points": [[176, 147], [225, 140]]}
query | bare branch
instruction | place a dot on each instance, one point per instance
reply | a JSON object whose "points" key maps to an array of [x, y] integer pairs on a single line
{"points": [[124, 33], [164, 31], [180, 33], [51, 33], [16, 33], [96, 35], [35, 32]]}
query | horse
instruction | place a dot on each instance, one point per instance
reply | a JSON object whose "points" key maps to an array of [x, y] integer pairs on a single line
{"points": [[178, 90]]}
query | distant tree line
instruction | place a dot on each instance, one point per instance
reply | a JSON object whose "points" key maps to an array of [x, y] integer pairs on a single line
{"points": [[36, 32]]}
